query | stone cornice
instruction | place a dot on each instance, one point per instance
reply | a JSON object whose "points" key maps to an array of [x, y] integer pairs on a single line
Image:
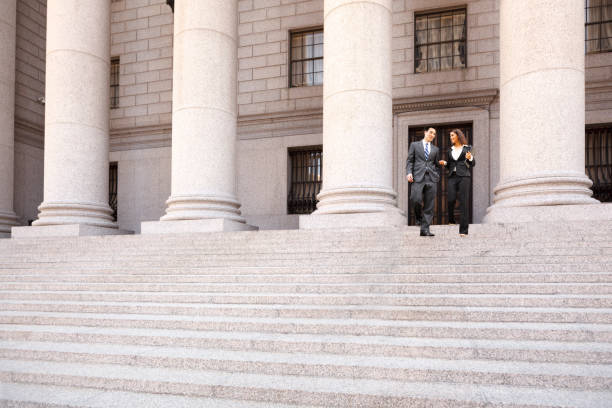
{"points": [[280, 124], [477, 98], [290, 123], [29, 133], [143, 137]]}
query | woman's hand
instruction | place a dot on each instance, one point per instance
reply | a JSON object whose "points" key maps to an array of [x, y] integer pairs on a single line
{"points": [[442, 163], [468, 155]]}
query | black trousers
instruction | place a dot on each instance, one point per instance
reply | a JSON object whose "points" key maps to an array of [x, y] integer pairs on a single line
{"points": [[422, 198], [459, 188]]}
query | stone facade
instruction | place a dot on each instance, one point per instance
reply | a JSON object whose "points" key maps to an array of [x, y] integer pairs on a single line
{"points": [[272, 116]]}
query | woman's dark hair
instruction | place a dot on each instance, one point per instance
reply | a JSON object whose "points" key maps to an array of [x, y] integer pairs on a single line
{"points": [[460, 135]]}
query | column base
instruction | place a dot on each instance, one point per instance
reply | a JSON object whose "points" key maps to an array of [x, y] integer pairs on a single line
{"points": [[75, 213], [549, 213], [544, 189], [356, 200], [64, 230], [8, 220], [387, 219], [194, 226]]}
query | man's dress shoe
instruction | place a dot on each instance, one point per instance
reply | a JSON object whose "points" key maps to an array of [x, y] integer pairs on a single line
{"points": [[427, 234]]}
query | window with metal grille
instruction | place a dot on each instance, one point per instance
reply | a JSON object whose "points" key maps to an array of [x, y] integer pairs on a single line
{"points": [[306, 68], [114, 83], [598, 26], [306, 175], [113, 177], [442, 140], [598, 160], [440, 40]]}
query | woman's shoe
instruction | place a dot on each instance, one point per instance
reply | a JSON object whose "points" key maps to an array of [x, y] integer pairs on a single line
{"points": [[463, 235]]}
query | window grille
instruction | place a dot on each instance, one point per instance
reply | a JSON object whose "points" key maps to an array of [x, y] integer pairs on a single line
{"points": [[113, 177], [114, 83], [306, 175], [440, 41], [306, 68], [598, 26], [598, 161]]}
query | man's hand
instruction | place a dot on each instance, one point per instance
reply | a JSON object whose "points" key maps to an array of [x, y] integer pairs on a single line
{"points": [[410, 178], [442, 162]]}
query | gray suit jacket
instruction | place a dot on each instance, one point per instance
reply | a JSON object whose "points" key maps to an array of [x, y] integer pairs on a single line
{"points": [[417, 165]]}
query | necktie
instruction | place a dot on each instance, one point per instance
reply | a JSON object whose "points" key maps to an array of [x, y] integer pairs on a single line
{"points": [[426, 151]]}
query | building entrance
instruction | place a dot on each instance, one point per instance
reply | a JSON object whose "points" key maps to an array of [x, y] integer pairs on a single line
{"points": [[442, 140]]}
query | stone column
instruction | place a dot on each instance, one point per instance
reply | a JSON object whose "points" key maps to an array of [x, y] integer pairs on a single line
{"points": [[7, 114], [357, 118], [204, 120], [77, 118], [542, 111]]}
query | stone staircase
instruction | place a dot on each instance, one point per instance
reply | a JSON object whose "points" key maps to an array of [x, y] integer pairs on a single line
{"points": [[512, 316]]}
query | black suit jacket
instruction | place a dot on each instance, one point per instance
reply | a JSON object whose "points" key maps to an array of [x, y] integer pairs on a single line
{"points": [[417, 165], [462, 164]]}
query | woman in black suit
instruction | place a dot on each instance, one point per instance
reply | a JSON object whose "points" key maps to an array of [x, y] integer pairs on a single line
{"points": [[459, 161]]}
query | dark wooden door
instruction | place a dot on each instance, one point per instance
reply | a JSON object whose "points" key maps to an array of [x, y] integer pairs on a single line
{"points": [[442, 140]]}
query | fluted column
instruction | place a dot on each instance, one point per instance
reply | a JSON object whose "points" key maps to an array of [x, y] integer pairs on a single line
{"points": [[7, 114], [542, 106], [77, 114], [204, 112], [357, 109]]}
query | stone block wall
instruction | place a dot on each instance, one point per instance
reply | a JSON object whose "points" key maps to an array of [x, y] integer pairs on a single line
{"points": [[141, 35]]}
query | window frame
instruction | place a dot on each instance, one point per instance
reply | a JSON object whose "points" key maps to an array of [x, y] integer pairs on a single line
{"points": [[115, 63], [599, 24], [290, 55], [427, 13]]}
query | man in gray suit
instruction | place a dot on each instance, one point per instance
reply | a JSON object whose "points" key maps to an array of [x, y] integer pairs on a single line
{"points": [[422, 170]]}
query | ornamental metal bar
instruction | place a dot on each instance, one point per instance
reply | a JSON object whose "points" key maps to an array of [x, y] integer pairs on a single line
{"points": [[114, 83], [598, 161], [306, 179], [112, 188]]}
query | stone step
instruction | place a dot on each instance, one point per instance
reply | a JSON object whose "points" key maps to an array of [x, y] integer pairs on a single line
{"points": [[325, 391], [330, 288], [544, 375], [144, 298], [24, 395], [101, 310], [507, 277], [508, 341], [387, 329], [433, 245], [300, 241], [302, 268], [380, 258]]}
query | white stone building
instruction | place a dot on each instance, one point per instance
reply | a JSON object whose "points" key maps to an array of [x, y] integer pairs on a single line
{"points": [[391, 67]]}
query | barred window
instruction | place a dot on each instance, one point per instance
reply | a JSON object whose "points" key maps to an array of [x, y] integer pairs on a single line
{"points": [[598, 160], [598, 26], [440, 41], [114, 83], [306, 175], [306, 68], [112, 188]]}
